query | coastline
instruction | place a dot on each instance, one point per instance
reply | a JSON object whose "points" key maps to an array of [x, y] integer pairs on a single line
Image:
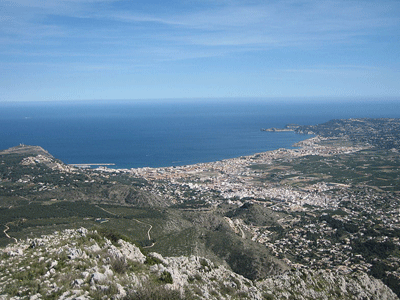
{"points": [[143, 134], [241, 178], [288, 127], [311, 146], [273, 129], [309, 205]]}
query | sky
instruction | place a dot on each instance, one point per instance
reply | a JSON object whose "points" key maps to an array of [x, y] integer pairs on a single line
{"points": [[52, 50]]}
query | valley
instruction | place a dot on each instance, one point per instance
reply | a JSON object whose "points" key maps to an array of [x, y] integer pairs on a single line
{"points": [[332, 204]]}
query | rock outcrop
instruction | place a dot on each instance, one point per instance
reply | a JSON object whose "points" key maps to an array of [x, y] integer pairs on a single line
{"points": [[82, 264]]}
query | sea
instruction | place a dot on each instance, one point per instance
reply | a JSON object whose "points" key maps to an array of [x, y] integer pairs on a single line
{"points": [[171, 132]]}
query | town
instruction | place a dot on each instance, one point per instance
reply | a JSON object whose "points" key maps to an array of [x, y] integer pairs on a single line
{"points": [[330, 203]]}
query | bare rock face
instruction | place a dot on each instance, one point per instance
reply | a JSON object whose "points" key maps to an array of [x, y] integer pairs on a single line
{"points": [[325, 284], [126, 251], [82, 264]]}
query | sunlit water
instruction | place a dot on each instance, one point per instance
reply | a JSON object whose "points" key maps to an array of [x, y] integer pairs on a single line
{"points": [[160, 133]]}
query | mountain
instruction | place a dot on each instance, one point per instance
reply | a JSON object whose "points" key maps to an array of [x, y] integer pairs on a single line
{"points": [[32, 171], [40, 194], [316, 222], [86, 264]]}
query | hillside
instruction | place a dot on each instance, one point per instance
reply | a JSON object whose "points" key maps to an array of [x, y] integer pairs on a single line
{"points": [[330, 206], [40, 194], [82, 264], [32, 171], [383, 133]]}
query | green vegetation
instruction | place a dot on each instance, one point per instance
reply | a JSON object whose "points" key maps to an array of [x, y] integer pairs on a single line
{"points": [[153, 292], [166, 277], [374, 168], [355, 227], [382, 133]]}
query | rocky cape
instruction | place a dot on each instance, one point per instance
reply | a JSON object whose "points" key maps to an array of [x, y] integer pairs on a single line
{"points": [[86, 264]]}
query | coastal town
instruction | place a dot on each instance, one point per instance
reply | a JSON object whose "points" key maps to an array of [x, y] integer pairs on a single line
{"points": [[332, 202], [240, 178], [332, 222]]}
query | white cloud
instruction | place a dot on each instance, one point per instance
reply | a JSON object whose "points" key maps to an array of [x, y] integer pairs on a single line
{"points": [[219, 28], [281, 23]]}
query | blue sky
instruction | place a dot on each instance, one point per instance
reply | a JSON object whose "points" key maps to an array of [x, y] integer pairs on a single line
{"points": [[105, 49]]}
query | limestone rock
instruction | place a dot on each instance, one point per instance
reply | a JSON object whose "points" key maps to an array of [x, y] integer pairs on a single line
{"points": [[69, 265], [98, 278], [74, 253], [131, 252], [159, 257]]}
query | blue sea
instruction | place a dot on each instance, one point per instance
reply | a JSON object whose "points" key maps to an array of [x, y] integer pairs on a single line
{"points": [[158, 133]]}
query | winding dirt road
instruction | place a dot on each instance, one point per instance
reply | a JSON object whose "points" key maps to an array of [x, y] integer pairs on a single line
{"points": [[148, 231], [7, 235]]}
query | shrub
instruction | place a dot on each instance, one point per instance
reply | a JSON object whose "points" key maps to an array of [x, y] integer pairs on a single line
{"points": [[197, 290], [226, 290], [105, 293], [135, 266], [166, 277], [152, 261], [119, 265], [112, 235], [11, 289], [95, 236], [203, 262], [198, 277], [242, 295], [153, 292], [214, 293], [268, 296]]}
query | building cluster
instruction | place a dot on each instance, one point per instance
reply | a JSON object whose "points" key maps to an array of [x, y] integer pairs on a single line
{"points": [[325, 223], [240, 178]]}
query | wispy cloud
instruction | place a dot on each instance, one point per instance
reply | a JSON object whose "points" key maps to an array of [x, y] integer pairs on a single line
{"points": [[336, 70], [286, 37], [279, 23]]}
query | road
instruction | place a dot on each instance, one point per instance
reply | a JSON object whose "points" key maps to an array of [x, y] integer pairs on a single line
{"points": [[148, 231], [7, 235], [235, 227]]}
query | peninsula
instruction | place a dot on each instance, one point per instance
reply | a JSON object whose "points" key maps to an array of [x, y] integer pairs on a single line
{"points": [[288, 127]]}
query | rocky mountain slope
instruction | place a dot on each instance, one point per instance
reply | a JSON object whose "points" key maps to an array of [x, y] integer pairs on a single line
{"points": [[324, 224], [30, 171], [83, 264]]}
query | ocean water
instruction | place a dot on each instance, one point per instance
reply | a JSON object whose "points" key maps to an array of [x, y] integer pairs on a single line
{"points": [[157, 133]]}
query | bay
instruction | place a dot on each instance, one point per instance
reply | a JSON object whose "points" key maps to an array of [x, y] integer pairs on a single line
{"points": [[157, 133]]}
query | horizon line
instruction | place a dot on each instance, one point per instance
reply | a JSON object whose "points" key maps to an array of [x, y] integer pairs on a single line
{"points": [[242, 98]]}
